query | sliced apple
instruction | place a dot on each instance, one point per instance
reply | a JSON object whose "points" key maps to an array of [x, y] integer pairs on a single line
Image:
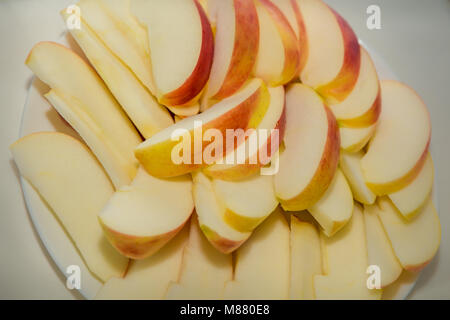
{"points": [[380, 252], [267, 136], [263, 263], [148, 116], [334, 209], [333, 61], [235, 50], [244, 110], [362, 107], [399, 148], [248, 202], [204, 270], [278, 54], [350, 164], [76, 194], [312, 144], [415, 242], [185, 112], [306, 260], [354, 139], [211, 217], [148, 279], [177, 27], [87, 100], [346, 262], [411, 198]]}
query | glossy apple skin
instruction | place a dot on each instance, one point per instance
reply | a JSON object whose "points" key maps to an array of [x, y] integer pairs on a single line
{"points": [[193, 86], [222, 244], [367, 119]]}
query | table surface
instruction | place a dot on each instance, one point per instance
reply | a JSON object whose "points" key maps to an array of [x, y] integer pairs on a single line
{"points": [[414, 39]]}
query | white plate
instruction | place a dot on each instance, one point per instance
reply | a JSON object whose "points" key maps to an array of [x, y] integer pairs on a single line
{"points": [[38, 115]]}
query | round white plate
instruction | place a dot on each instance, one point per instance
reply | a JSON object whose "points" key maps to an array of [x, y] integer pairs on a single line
{"points": [[38, 115]]}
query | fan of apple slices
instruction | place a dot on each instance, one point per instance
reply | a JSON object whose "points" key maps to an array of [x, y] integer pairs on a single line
{"points": [[353, 175]]}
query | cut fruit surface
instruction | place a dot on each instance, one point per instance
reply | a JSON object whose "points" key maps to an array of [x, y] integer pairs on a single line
{"points": [[355, 139], [312, 143], [75, 193], [141, 218], [399, 147], [185, 111]]}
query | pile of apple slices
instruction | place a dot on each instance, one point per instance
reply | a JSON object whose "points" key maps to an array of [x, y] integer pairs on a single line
{"points": [[353, 175]]}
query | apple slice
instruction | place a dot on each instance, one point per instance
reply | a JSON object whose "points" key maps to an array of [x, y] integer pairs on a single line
{"points": [[89, 107], [312, 144], [415, 242], [211, 216], [248, 202], [141, 218], [334, 209], [244, 110], [380, 252], [148, 279], [177, 27], [333, 61], [412, 198], [267, 136], [204, 270], [235, 50], [113, 23], [345, 264], [306, 260], [350, 164], [185, 112], [354, 139], [278, 54], [399, 148], [148, 116], [362, 107], [263, 263], [76, 193]]}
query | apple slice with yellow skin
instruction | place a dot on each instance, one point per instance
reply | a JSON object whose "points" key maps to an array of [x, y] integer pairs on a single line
{"points": [[211, 216], [399, 148], [177, 27], [204, 270], [355, 139], [247, 202], [350, 164], [185, 112], [333, 60], [141, 218], [334, 209], [311, 143], [415, 242], [113, 23], [75, 193], [263, 263], [413, 197], [278, 54], [63, 70], [244, 110], [380, 252], [150, 278], [148, 116], [362, 107], [235, 49], [345, 264], [306, 259], [267, 136]]}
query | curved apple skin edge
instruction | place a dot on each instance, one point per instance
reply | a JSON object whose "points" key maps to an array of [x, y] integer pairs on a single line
{"points": [[136, 247], [356, 147], [339, 88], [242, 171], [324, 173], [222, 244], [194, 85], [303, 39], [367, 119]]}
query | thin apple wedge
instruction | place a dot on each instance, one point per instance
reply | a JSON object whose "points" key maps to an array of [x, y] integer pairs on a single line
{"points": [[177, 28], [76, 194], [185, 112], [204, 270], [415, 242], [263, 263], [312, 144], [148, 279], [399, 148], [355, 139]]}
